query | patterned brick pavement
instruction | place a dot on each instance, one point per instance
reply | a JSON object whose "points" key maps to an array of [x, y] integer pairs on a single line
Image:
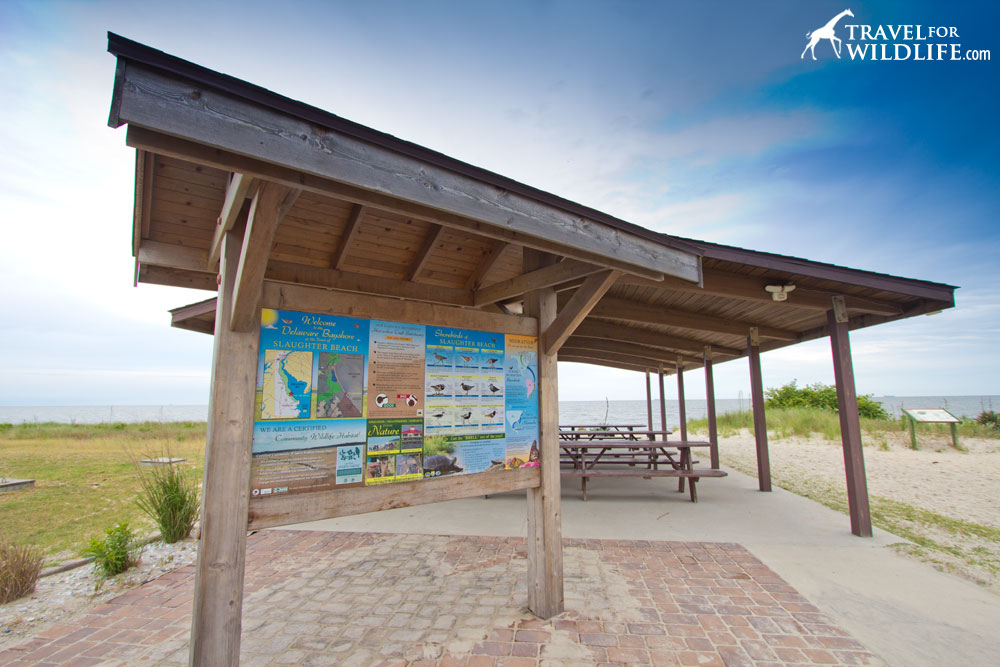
{"points": [[316, 598]]}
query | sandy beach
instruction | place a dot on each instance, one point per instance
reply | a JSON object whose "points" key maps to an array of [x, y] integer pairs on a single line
{"points": [[943, 499]]}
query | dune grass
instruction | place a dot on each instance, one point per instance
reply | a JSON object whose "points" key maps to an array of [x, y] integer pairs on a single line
{"points": [[805, 422], [84, 478]]}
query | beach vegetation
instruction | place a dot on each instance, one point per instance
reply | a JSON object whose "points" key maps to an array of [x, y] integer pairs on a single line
{"points": [[20, 565], [169, 496], [84, 479], [989, 419], [819, 396], [119, 549]]}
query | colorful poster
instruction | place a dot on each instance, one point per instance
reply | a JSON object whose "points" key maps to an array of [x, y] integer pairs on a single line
{"points": [[521, 372], [342, 401], [396, 370]]}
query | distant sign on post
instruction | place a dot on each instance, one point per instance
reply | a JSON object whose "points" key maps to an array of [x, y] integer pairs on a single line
{"points": [[931, 416]]}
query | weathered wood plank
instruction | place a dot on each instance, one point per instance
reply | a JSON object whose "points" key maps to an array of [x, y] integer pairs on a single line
{"points": [[420, 260], [170, 107], [284, 510], [172, 256], [632, 360], [601, 362], [654, 356], [486, 265], [544, 539], [350, 232], [599, 329], [576, 309], [623, 309], [330, 302], [237, 191], [218, 592], [162, 275], [270, 204], [345, 281], [544, 277], [145, 165]]}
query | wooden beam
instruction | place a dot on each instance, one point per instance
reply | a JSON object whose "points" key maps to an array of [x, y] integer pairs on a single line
{"points": [[634, 311], [237, 191], [576, 309], [544, 512], [350, 231], [751, 288], [282, 296], [759, 420], [649, 404], [162, 275], [713, 429], [850, 427], [654, 356], [139, 137], [155, 253], [663, 402], [593, 328], [289, 509], [633, 360], [360, 283], [270, 204], [145, 171], [218, 588], [485, 266], [526, 282], [681, 405], [569, 358], [172, 105], [425, 252]]}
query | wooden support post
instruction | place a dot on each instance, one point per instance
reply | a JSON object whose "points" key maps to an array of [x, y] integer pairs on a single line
{"points": [[713, 430], [681, 407], [663, 405], [759, 422], [545, 563], [913, 432], [850, 423], [649, 404], [218, 588]]}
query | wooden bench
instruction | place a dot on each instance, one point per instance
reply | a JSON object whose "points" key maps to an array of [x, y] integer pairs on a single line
{"points": [[646, 458]]}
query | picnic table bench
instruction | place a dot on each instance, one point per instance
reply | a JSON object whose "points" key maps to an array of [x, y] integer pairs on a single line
{"points": [[631, 453]]}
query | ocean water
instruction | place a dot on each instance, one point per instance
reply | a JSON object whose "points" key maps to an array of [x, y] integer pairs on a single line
{"points": [[570, 412]]}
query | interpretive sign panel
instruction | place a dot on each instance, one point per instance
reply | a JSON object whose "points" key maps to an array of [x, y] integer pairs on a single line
{"points": [[932, 416], [345, 402]]}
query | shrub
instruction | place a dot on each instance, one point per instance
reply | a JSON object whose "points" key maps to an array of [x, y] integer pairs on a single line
{"points": [[118, 551], [170, 498], [19, 568], [820, 396], [989, 418]]}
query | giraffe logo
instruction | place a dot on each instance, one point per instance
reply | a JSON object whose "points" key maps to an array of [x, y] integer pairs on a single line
{"points": [[826, 32]]}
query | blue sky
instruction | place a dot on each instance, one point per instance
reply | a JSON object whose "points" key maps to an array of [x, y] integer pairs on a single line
{"points": [[692, 118]]}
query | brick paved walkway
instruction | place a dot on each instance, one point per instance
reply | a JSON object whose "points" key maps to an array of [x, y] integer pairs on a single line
{"points": [[318, 598]]}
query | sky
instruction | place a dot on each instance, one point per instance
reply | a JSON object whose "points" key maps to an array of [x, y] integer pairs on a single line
{"points": [[692, 118]]}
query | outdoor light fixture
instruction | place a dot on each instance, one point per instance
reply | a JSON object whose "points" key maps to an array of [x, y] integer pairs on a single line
{"points": [[779, 292]]}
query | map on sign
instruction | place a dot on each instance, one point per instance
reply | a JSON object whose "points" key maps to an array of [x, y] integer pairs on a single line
{"points": [[340, 385], [287, 385]]}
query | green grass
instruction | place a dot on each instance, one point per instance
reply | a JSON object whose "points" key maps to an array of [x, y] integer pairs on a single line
{"points": [[804, 422], [85, 481]]}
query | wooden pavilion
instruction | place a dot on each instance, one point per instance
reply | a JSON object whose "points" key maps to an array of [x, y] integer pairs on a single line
{"points": [[268, 202]]}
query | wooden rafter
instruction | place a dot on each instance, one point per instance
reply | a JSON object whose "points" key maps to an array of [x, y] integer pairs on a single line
{"points": [[240, 187], [597, 360], [425, 252], [576, 309], [154, 253], [526, 282], [490, 260], [651, 354], [350, 231], [145, 167], [634, 311], [751, 288], [598, 329], [269, 206], [637, 361], [358, 283]]}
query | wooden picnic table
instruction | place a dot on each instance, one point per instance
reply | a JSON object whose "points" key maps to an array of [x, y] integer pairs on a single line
{"points": [[632, 454], [611, 432]]}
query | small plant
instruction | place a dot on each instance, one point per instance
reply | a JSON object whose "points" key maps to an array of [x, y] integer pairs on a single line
{"points": [[821, 396], [989, 418], [19, 568], [170, 498], [118, 551]]}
